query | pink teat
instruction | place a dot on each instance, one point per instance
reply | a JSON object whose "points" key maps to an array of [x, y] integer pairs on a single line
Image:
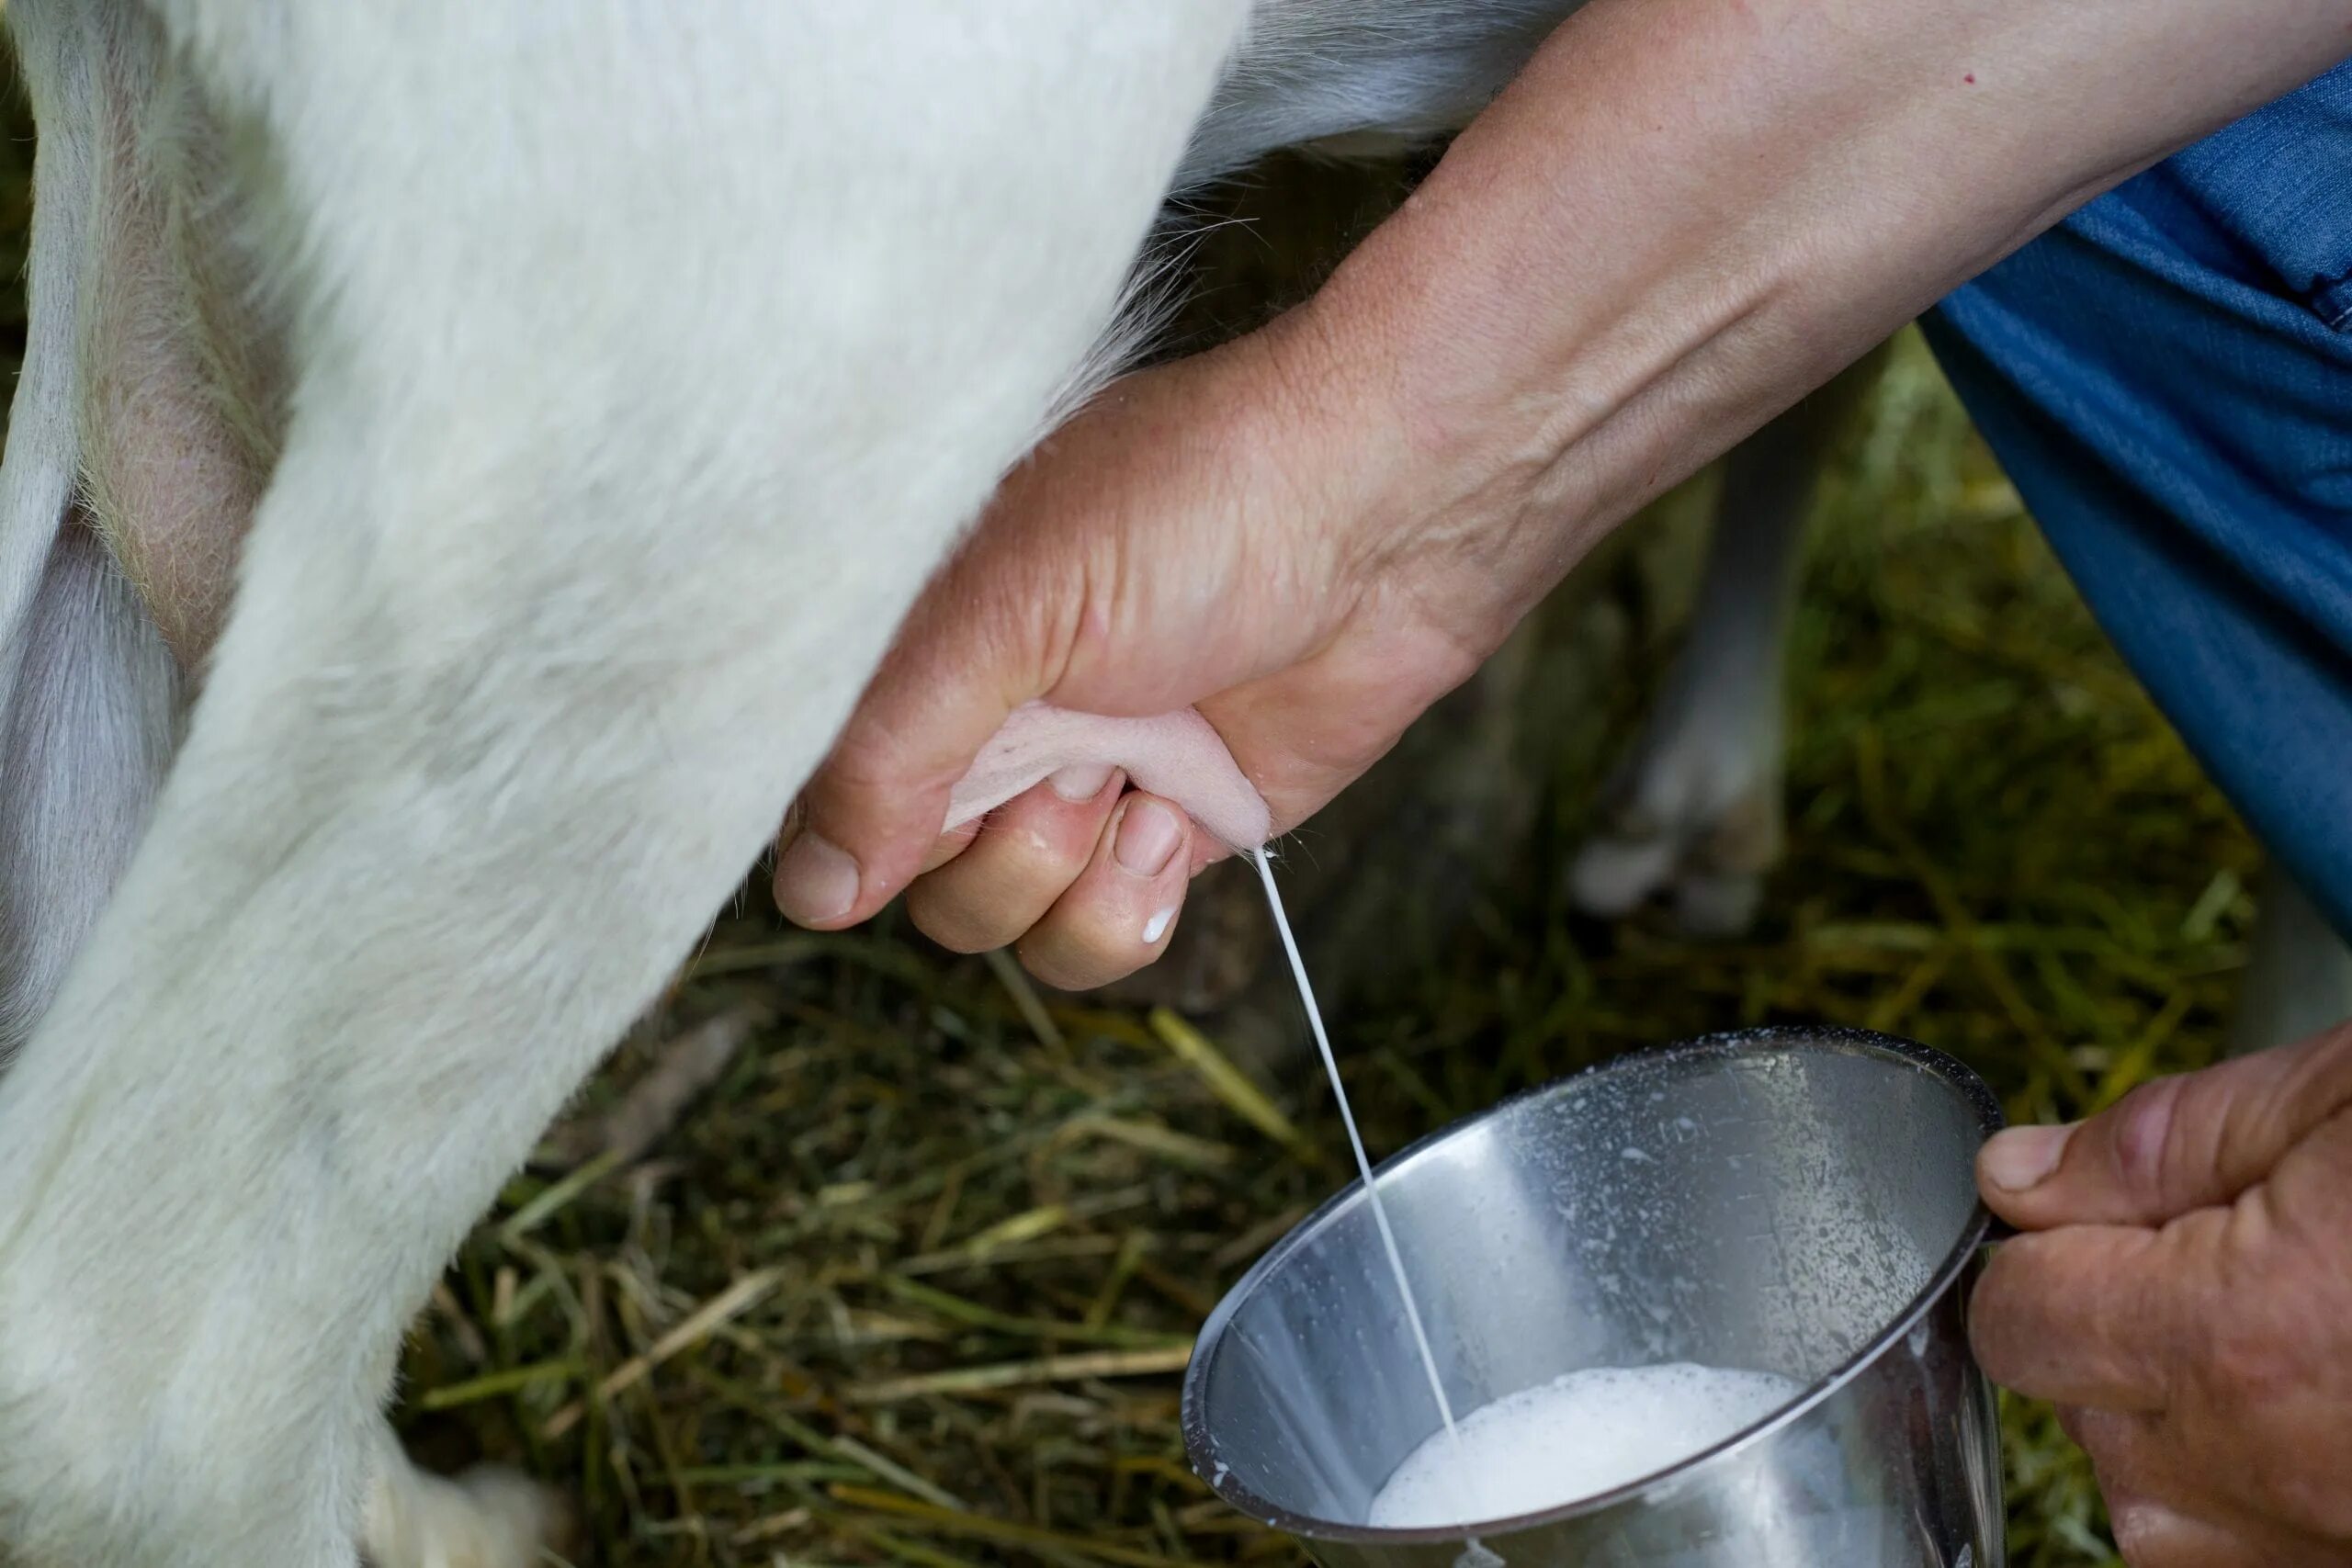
{"points": [[1177, 755]]}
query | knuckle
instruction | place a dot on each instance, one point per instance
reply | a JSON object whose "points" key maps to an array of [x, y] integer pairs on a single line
{"points": [[2246, 1360], [1051, 970], [1068, 962], [2006, 1312], [2252, 1334], [2141, 1528], [943, 917], [2144, 1135], [1041, 840]]}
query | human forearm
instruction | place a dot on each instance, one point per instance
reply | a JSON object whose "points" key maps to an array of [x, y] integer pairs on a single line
{"points": [[1683, 217]]}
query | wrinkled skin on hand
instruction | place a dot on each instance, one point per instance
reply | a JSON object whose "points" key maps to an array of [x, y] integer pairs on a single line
{"points": [[1674, 222], [1176, 545], [2184, 1294]]}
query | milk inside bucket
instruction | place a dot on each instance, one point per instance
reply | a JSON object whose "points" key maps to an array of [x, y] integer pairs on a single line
{"points": [[1758, 1241]]}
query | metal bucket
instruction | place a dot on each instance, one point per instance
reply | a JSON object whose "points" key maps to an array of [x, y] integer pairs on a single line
{"points": [[1800, 1201]]}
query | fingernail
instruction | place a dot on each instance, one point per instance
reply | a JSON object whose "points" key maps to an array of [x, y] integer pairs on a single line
{"points": [[1149, 834], [1080, 781], [2023, 1158], [816, 880], [1157, 926]]}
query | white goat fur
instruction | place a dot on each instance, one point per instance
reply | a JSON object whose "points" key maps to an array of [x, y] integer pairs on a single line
{"points": [[588, 391]]}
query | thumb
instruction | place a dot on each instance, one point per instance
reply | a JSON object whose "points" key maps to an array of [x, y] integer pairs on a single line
{"points": [[992, 631], [2170, 1146], [860, 830], [1175, 755], [938, 741]]}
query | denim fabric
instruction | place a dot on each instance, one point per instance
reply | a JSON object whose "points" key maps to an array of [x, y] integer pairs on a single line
{"points": [[2167, 377]]}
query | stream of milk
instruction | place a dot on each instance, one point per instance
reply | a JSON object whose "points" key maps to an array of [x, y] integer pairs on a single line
{"points": [[1356, 1139], [1573, 1438]]}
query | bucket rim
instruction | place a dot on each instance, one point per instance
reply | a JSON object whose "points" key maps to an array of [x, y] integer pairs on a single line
{"points": [[1838, 1039]]}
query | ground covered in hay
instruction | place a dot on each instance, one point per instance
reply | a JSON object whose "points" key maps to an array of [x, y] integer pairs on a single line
{"points": [[913, 1280]]}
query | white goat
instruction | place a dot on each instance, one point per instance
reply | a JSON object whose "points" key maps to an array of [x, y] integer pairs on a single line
{"points": [[585, 392], [582, 393]]}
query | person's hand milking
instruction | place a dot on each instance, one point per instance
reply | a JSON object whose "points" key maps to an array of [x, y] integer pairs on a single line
{"points": [[1150, 560], [1671, 226]]}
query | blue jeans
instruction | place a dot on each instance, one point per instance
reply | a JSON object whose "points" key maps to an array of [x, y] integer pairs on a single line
{"points": [[2167, 377]]}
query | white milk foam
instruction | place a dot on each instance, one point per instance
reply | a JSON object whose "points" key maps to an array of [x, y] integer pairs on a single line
{"points": [[1573, 1438]]}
